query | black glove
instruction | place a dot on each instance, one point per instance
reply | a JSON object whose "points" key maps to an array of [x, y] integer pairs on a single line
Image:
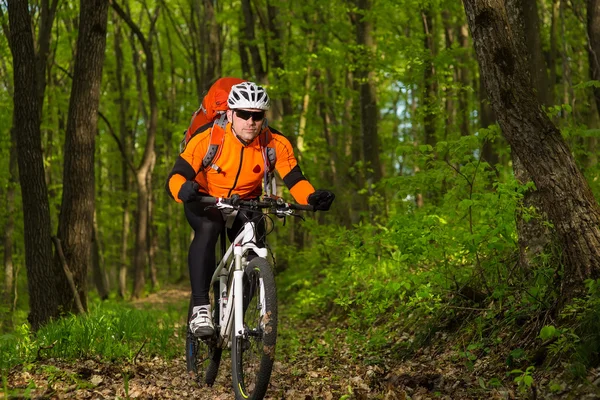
{"points": [[188, 191], [321, 199]]}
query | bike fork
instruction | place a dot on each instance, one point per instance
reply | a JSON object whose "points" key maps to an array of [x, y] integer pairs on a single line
{"points": [[238, 293]]}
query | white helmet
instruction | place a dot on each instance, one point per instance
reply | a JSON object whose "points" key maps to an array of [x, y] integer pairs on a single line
{"points": [[248, 95]]}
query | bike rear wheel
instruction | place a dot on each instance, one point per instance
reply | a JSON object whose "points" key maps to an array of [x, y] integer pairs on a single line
{"points": [[252, 354], [202, 356]]}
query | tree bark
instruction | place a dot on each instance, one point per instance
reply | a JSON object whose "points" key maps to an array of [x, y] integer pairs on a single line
{"points": [[98, 271], [214, 48], [593, 29], [9, 231], [534, 235], [552, 52], [486, 119], [566, 196], [8, 293], [48, 12], [524, 19], [70, 278], [365, 81], [198, 47], [41, 272], [76, 222], [568, 96], [353, 146], [249, 42]]}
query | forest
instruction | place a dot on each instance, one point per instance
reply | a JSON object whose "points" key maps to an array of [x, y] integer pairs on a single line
{"points": [[460, 259]]}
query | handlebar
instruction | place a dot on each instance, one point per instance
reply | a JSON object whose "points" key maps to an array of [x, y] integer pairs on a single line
{"points": [[267, 202]]}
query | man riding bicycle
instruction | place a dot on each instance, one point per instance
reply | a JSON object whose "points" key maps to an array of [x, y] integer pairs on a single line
{"points": [[242, 167]]}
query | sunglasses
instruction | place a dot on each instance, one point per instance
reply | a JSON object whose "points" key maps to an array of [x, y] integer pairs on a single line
{"points": [[255, 115]]}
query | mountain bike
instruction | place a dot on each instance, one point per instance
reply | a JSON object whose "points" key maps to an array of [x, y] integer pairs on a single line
{"points": [[244, 305]]}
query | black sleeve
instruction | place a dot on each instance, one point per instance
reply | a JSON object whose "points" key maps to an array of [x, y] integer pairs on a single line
{"points": [[182, 168], [293, 177]]}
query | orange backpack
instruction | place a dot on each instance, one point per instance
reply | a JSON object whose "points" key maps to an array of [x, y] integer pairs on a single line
{"points": [[213, 107]]}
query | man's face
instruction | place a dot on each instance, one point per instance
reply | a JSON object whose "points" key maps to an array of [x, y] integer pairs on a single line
{"points": [[246, 123]]}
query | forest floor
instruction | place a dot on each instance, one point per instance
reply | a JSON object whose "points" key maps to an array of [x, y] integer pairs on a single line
{"points": [[432, 373]]}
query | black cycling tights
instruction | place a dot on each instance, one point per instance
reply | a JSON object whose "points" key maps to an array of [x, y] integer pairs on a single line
{"points": [[208, 225]]}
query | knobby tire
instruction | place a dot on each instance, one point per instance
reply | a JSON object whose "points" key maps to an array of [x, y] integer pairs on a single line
{"points": [[252, 356]]}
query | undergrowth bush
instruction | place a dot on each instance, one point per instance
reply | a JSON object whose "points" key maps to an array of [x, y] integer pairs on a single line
{"points": [[577, 339], [110, 331], [393, 282], [450, 267]]}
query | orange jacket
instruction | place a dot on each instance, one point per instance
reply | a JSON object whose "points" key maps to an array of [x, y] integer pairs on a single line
{"points": [[242, 167]]}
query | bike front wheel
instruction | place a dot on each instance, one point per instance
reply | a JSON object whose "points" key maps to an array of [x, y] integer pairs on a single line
{"points": [[253, 353]]}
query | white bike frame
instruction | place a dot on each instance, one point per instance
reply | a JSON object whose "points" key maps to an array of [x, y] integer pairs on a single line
{"points": [[231, 293]]}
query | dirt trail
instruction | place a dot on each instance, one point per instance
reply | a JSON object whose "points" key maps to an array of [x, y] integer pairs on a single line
{"points": [[431, 374]]}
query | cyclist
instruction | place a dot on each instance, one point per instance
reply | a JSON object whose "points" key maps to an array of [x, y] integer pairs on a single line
{"points": [[242, 164]]}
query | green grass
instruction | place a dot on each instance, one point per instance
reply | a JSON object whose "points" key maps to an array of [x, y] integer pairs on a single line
{"points": [[111, 331]]}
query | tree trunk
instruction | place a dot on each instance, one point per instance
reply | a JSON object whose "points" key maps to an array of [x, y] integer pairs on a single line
{"points": [[9, 230], [552, 54], [140, 257], [144, 171], [533, 43], [369, 112], [244, 60], [214, 48], [123, 104], [172, 116], [305, 98], [276, 64], [41, 272], [430, 96], [450, 92], [353, 148], [464, 77], [75, 226], [486, 119], [198, 47], [337, 179], [249, 42], [99, 274], [534, 235], [152, 236], [48, 12], [567, 95], [593, 29], [205, 43], [566, 196]]}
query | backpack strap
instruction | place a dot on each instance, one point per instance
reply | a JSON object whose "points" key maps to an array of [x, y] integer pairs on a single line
{"points": [[266, 137], [270, 158], [217, 136]]}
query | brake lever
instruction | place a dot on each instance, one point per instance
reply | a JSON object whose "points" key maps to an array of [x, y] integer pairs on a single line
{"points": [[223, 203], [284, 212]]}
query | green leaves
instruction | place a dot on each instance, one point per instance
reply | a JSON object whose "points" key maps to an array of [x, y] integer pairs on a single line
{"points": [[524, 379], [548, 332], [587, 84]]}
